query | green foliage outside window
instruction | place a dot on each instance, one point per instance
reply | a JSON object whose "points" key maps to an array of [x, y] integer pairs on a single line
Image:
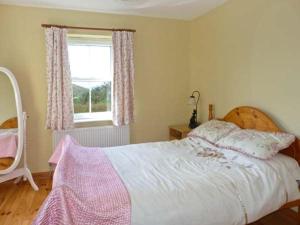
{"points": [[100, 98]]}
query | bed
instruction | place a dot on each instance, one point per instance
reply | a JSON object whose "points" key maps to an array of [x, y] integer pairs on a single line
{"points": [[186, 182], [252, 118], [9, 127]]}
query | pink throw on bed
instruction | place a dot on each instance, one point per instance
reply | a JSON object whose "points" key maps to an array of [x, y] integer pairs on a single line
{"points": [[86, 190], [8, 145]]}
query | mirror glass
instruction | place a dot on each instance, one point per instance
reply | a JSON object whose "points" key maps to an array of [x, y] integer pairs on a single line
{"points": [[8, 123]]}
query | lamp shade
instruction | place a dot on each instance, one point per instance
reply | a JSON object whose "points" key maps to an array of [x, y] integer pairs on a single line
{"points": [[192, 100]]}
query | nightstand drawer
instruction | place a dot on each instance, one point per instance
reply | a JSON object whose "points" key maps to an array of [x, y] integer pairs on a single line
{"points": [[175, 134], [178, 131]]}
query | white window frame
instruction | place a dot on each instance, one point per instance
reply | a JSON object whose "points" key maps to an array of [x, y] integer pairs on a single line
{"points": [[75, 39]]}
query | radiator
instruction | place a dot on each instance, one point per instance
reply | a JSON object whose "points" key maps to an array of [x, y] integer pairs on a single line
{"points": [[105, 136]]}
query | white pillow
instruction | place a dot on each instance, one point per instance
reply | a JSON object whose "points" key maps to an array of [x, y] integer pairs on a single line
{"points": [[259, 144], [213, 130]]}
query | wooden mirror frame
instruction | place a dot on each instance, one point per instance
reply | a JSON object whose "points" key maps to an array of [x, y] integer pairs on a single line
{"points": [[247, 117]]}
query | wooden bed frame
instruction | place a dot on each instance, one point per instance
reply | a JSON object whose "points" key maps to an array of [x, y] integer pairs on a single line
{"points": [[247, 117], [8, 124]]}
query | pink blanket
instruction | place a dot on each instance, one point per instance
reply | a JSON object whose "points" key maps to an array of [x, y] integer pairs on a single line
{"points": [[86, 190], [8, 145]]}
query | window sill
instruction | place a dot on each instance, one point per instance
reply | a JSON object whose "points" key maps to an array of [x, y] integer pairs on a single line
{"points": [[92, 120], [92, 123], [92, 117]]}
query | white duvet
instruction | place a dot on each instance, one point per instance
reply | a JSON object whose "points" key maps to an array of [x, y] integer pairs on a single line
{"points": [[190, 182]]}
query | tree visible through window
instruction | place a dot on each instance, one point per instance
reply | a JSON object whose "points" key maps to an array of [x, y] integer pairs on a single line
{"points": [[91, 69]]}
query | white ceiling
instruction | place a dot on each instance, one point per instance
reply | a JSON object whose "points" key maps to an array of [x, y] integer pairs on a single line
{"points": [[177, 9]]}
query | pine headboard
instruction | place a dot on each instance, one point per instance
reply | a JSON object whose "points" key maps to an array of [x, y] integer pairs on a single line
{"points": [[10, 123], [247, 117]]}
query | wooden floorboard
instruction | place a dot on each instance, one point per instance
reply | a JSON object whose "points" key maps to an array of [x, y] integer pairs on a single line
{"points": [[19, 204]]}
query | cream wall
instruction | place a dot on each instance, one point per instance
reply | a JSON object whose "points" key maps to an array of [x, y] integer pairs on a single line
{"points": [[162, 70], [7, 99], [242, 53], [247, 52]]}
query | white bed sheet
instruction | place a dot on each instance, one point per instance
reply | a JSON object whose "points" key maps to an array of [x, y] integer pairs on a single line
{"points": [[8, 131], [169, 184]]}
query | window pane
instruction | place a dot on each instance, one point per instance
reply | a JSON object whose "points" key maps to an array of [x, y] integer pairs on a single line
{"points": [[80, 98], [90, 62], [91, 71], [79, 61], [101, 97], [99, 101]]}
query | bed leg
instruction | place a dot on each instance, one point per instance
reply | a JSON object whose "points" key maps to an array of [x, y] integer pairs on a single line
{"points": [[298, 216], [210, 112]]}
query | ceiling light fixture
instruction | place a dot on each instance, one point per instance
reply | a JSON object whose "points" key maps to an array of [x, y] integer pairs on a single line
{"points": [[131, 2]]}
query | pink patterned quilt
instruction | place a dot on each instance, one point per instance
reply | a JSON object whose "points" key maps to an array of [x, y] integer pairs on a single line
{"points": [[86, 190], [8, 145]]}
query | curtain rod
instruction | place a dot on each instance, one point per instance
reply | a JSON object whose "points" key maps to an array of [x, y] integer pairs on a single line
{"points": [[86, 28]]}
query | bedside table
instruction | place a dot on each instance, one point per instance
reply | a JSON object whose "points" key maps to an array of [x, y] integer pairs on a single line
{"points": [[178, 131]]}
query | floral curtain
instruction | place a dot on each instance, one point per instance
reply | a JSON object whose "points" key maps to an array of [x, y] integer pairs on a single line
{"points": [[60, 111], [123, 80]]}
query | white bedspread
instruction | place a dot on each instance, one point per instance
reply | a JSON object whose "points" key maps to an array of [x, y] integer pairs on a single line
{"points": [[171, 184]]}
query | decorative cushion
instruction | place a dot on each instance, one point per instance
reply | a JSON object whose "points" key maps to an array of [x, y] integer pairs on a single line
{"points": [[213, 130], [259, 144]]}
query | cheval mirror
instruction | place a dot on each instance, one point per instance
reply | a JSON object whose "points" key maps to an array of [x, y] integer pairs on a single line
{"points": [[12, 131]]}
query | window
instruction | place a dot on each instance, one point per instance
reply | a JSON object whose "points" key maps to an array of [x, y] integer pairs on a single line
{"points": [[91, 71]]}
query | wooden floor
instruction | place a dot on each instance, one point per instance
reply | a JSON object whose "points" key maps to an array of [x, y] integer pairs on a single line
{"points": [[19, 204]]}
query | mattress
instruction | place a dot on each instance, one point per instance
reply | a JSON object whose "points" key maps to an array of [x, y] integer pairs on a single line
{"points": [[188, 182]]}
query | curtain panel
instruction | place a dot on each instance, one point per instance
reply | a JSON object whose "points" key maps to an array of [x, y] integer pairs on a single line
{"points": [[123, 79], [60, 111]]}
